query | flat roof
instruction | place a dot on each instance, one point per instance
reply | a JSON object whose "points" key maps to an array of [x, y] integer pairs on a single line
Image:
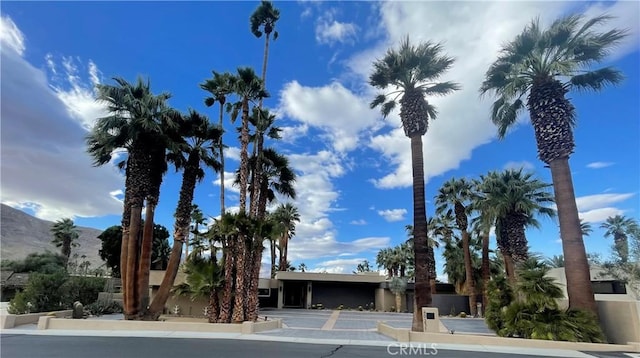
{"points": [[332, 277]]}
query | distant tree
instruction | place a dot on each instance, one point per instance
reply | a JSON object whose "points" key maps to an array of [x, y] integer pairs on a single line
{"points": [[364, 266], [620, 227], [43, 262], [302, 267], [65, 234], [111, 245], [555, 261]]}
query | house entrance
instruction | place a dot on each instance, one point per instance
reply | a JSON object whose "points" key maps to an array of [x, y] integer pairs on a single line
{"points": [[295, 294]]}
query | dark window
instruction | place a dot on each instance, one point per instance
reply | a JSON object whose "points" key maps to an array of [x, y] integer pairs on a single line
{"points": [[609, 287], [264, 292]]}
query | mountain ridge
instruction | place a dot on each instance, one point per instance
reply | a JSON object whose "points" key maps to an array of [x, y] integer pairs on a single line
{"points": [[22, 234]]}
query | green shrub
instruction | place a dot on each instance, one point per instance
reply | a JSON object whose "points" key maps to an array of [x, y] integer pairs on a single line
{"points": [[83, 289], [100, 308], [462, 315], [533, 311], [44, 292], [43, 262]]}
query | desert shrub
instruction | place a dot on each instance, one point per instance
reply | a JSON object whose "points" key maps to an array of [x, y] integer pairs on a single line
{"points": [[531, 309], [83, 289], [499, 296], [100, 308], [44, 292]]}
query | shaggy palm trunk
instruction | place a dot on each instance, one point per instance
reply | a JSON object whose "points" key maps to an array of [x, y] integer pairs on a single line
{"points": [[244, 157], [227, 289], [214, 301], [252, 296], [240, 289], [509, 266], [486, 273], [181, 233], [513, 229], [420, 242], [470, 286], [130, 290], [272, 247], [256, 197], [221, 147], [282, 266], [622, 246], [432, 270], [146, 248], [551, 117]]}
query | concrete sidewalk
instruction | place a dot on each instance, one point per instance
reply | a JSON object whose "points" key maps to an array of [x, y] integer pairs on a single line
{"points": [[318, 327]]}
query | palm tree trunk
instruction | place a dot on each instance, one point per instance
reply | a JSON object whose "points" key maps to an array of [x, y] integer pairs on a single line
{"points": [[244, 158], [221, 144], [579, 290], [470, 285], [227, 289], [130, 291], [509, 266], [241, 258], [282, 266], [256, 264], [486, 273], [214, 301], [420, 244], [272, 247], [161, 297], [145, 255], [264, 63], [257, 177]]}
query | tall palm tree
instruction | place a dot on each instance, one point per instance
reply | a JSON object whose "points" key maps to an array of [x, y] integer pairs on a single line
{"points": [[265, 16], [198, 149], [543, 65], [456, 195], [619, 227], [65, 234], [140, 123], [248, 87], [220, 87], [411, 72], [197, 219], [263, 121]]}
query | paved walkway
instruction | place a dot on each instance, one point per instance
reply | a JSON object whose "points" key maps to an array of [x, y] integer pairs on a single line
{"points": [[328, 327]]}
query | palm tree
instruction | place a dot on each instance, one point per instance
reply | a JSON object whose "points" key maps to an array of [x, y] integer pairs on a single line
{"points": [[619, 227], [287, 215], [263, 122], [197, 219], [516, 198], [555, 261], [534, 65], [248, 87], [411, 72], [65, 233], [265, 16], [140, 123], [203, 280], [456, 195], [585, 228], [220, 86], [198, 149]]}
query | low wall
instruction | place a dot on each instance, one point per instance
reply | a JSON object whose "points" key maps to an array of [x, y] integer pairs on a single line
{"points": [[48, 322], [13, 320], [444, 338]]}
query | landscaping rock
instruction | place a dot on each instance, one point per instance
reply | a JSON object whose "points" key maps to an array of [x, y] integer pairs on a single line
{"points": [[78, 310]]}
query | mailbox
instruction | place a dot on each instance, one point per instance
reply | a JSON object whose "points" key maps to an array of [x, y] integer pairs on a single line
{"points": [[430, 319]]}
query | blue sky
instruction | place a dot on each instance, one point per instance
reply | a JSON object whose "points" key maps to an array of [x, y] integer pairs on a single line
{"points": [[353, 167]]}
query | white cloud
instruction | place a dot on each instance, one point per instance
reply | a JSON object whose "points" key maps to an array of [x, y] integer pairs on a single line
{"points": [[339, 113], [330, 31], [358, 222], [393, 215], [599, 165], [599, 201], [600, 214], [525, 165], [290, 134], [232, 153], [44, 162], [11, 36], [229, 180]]}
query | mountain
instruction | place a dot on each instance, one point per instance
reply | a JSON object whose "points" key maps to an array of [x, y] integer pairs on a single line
{"points": [[22, 234]]}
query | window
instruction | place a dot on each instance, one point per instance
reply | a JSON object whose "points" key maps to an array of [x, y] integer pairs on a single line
{"points": [[609, 287]]}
